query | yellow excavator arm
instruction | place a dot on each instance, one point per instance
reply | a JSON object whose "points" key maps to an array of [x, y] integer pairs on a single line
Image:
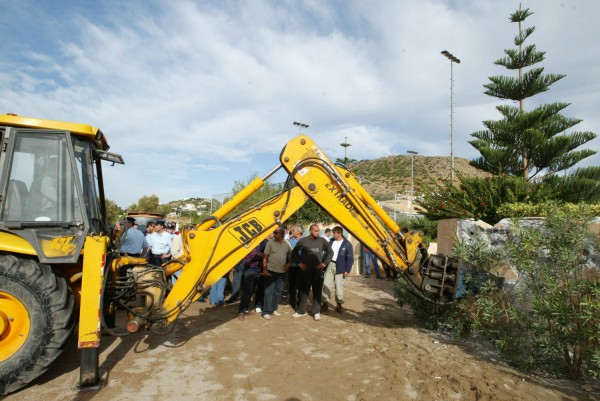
{"points": [[214, 247]]}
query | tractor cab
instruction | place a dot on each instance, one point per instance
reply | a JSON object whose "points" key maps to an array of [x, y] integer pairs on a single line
{"points": [[51, 186]]}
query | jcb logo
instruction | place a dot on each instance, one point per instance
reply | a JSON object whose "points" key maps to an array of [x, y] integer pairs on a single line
{"points": [[64, 245], [246, 230]]}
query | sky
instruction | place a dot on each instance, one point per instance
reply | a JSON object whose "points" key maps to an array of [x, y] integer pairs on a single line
{"points": [[196, 95]]}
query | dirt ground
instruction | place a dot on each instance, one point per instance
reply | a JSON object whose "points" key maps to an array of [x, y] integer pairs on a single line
{"points": [[373, 351]]}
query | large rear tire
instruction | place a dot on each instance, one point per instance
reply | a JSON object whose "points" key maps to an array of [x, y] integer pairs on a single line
{"points": [[36, 320]]}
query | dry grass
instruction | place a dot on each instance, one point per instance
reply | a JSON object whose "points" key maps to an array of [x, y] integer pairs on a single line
{"points": [[388, 175]]}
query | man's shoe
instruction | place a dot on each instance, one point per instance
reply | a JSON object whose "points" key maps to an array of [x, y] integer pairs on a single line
{"points": [[317, 316], [267, 316], [296, 314], [339, 308], [324, 307], [275, 313], [379, 277], [367, 275], [258, 310]]}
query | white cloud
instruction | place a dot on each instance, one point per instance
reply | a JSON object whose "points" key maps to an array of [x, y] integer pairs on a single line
{"points": [[197, 95]]}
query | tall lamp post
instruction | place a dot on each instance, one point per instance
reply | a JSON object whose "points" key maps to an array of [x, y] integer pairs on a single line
{"points": [[453, 60], [412, 154], [300, 126]]}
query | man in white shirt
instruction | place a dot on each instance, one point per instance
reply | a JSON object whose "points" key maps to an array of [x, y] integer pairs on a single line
{"points": [[161, 244], [338, 270]]}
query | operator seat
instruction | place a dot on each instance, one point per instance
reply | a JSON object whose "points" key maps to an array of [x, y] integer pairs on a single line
{"points": [[16, 199]]}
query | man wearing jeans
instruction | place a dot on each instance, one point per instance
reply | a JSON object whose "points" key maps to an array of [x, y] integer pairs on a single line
{"points": [[371, 257], [274, 265]]}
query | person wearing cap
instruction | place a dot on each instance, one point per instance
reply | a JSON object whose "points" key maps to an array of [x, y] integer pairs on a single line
{"points": [[161, 244], [134, 243]]}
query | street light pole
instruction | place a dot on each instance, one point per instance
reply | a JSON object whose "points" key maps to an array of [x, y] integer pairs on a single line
{"points": [[300, 126], [453, 60], [412, 154]]}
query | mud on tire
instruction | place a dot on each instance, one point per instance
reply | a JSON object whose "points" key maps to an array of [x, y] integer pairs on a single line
{"points": [[50, 305]]}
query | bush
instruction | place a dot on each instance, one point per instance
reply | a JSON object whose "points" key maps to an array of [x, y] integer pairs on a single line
{"points": [[479, 198], [429, 227], [544, 208], [549, 320]]}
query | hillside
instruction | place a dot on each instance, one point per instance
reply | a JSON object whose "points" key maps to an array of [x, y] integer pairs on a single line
{"points": [[382, 178], [387, 176]]}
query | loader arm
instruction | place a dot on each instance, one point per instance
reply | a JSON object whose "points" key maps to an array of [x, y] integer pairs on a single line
{"points": [[213, 247], [336, 190]]}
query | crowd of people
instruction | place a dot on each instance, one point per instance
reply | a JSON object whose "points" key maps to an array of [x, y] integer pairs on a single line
{"points": [[285, 266], [159, 244], [288, 266]]}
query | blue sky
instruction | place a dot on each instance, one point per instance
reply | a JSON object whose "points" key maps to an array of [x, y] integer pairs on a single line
{"points": [[198, 94]]}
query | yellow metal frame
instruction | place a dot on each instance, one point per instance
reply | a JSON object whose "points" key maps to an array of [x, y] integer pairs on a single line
{"points": [[212, 252], [80, 129], [14, 244], [91, 287], [340, 194]]}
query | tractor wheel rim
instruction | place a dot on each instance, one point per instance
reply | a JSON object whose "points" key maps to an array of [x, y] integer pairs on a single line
{"points": [[14, 325]]}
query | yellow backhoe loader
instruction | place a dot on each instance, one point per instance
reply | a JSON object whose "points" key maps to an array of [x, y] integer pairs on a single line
{"points": [[60, 266]]}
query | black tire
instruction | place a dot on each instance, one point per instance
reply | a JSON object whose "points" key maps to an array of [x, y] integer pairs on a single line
{"points": [[50, 305]]}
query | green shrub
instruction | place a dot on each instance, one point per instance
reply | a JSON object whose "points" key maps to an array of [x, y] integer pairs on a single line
{"points": [[478, 198], [544, 208], [429, 227], [549, 320]]}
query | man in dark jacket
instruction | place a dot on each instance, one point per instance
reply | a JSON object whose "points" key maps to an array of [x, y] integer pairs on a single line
{"points": [[313, 254], [338, 270]]}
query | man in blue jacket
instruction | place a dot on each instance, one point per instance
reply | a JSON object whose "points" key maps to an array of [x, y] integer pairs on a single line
{"points": [[338, 270]]}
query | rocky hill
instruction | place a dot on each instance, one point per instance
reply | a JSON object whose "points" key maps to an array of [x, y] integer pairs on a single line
{"points": [[387, 176], [382, 178]]}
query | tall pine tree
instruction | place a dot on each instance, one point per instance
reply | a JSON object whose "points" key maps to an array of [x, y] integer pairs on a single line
{"points": [[533, 145]]}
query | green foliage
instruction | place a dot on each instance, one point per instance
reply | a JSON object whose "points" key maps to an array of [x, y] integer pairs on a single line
{"points": [[528, 144], [548, 319], [478, 198], [150, 204], [311, 212], [564, 292], [422, 223], [113, 212], [547, 208], [582, 185], [345, 161], [266, 191]]}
